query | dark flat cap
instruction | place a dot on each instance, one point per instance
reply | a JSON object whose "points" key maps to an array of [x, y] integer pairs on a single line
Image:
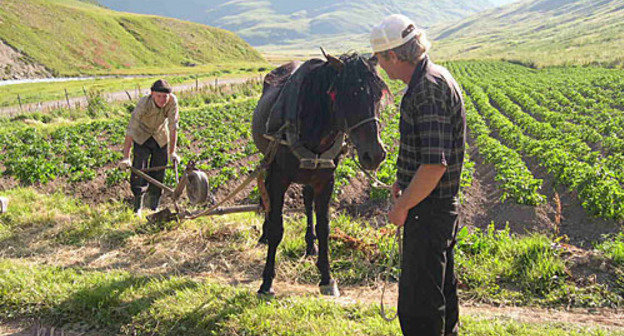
{"points": [[161, 85]]}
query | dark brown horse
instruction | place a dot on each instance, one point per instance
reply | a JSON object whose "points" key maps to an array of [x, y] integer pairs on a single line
{"points": [[322, 101]]}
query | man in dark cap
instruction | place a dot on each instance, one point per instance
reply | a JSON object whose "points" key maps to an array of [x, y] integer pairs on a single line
{"points": [[153, 132]]}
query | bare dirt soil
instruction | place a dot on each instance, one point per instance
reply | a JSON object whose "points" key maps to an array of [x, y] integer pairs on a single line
{"points": [[14, 65]]}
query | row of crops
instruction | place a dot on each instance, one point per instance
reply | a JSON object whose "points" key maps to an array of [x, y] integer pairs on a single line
{"points": [[568, 122], [214, 133]]}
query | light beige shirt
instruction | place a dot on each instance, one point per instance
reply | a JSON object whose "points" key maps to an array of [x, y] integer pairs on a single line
{"points": [[149, 120]]}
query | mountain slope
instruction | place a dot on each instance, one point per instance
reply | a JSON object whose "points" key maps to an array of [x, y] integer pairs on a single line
{"points": [[282, 21], [70, 37], [540, 32]]}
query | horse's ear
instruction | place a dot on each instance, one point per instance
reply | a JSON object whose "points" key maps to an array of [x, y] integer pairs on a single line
{"points": [[333, 61], [373, 60]]}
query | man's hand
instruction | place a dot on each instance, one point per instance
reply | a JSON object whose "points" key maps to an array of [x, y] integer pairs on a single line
{"points": [[125, 163], [175, 158], [398, 215]]}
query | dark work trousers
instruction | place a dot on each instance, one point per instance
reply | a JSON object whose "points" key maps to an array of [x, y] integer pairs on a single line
{"points": [[149, 154], [428, 304]]}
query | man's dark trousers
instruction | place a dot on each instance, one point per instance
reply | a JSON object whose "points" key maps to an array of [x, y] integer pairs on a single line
{"points": [[428, 304], [149, 154]]}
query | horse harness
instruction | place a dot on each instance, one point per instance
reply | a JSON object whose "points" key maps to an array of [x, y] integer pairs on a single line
{"points": [[287, 136]]}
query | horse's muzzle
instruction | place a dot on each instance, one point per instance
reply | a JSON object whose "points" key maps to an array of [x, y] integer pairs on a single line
{"points": [[370, 160]]}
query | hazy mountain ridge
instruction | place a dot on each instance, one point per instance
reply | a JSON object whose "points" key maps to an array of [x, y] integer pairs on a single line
{"points": [[541, 32], [280, 21]]}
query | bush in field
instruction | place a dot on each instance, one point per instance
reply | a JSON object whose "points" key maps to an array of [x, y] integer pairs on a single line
{"points": [[97, 106]]}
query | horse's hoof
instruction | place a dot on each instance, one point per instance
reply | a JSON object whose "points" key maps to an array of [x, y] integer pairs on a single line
{"points": [[266, 295], [330, 289], [311, 251]]}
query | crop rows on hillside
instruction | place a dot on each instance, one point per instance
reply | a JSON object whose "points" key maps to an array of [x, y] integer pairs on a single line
{"points": [[567, 121]]}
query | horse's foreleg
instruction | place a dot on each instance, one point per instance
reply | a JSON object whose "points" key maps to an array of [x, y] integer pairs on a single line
{"points": [[275, 229], [264, 199], [321, 204], [264, 238], [310, 237]]}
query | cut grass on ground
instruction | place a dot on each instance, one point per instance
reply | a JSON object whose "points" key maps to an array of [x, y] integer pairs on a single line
{"points": [[124, 303], [494, 266]]}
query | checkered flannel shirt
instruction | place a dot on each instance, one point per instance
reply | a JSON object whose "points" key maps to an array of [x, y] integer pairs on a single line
{"points": [[432, 128]]}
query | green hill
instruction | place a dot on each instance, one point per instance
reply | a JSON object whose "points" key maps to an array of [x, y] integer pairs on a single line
{"points": [[287, 22], [71, 37], [539, 32]]}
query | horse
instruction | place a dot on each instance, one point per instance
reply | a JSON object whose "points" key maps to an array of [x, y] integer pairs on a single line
{"points": [[319, 102]]}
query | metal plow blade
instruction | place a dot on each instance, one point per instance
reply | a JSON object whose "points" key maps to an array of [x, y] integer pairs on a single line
{"points": [[163, 216]]}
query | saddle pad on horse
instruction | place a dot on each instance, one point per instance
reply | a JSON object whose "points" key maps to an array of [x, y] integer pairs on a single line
{"points": [[276, 116], [289, 83]]}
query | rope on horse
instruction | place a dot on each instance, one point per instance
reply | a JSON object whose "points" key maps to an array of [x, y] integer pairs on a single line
{"points": [[376, 182], [396, 242]]}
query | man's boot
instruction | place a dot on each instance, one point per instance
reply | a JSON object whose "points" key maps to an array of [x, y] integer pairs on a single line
{"points": [[154, 200], [138, 204]]}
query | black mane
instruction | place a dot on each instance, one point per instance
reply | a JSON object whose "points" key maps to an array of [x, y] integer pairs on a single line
{"points": [[315, 104], [357, 77]]}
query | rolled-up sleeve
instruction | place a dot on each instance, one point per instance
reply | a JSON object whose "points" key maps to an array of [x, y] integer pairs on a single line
{"points": [[133, 125], [435, 131]]}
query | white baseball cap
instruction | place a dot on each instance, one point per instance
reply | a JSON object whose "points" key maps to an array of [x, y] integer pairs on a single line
{"points": [[392, 32]]}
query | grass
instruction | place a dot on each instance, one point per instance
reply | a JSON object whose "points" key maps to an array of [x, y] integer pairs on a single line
{"points": [[614, 248], [495, 266], [70, 38], [63, 116], [42, 92], [61, 219], [504, 268], [128, 304]]}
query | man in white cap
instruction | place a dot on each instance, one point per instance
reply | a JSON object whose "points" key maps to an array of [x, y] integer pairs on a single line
{"points": [[429, 166]]}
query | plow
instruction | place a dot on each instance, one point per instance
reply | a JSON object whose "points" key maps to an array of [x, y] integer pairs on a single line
{"points": [[194, 183]]}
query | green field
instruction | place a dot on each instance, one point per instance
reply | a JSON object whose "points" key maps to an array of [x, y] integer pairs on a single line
{"points": [[533, 134], [55, 91], [70, 38]]}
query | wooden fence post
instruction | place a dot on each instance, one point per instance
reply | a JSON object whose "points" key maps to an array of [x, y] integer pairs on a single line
{"points": [[19, 99], [67, 98]]}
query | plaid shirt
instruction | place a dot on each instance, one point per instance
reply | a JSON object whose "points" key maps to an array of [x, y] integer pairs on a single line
{"points": [[432, 128]]}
